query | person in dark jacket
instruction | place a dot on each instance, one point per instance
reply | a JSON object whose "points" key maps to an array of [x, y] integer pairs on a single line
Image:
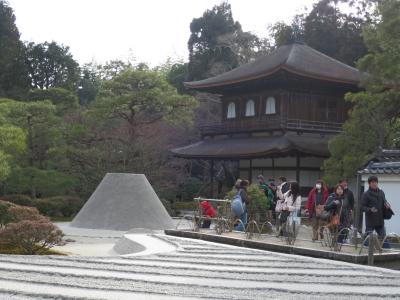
{"points": [[208, 212], [268, 193], [334, 204], [348, 204], [372, 202], [317, 196], [245, 200]]}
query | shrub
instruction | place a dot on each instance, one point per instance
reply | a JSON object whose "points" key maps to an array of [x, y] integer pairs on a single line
{"points": [[18, 199], [24, 213], [258, 200], [31, 236], [187, 205], [59, 206], [5, 216], [25, 229]]}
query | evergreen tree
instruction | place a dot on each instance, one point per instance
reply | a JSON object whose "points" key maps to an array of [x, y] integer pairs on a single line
{"points": [[13, 73], [374, 120]]}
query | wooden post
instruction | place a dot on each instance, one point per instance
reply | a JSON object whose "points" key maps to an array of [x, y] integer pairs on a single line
{"points": [[212, 178], [251, 170], [371, 243], [298, 168], [357, 209]]}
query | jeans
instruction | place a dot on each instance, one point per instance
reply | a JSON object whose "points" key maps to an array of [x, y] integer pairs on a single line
{"points": [[206, 223], [242, 225]]}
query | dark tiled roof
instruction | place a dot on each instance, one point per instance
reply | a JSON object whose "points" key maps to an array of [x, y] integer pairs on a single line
{"points": [[253, 147], [294, 58], [385, 162]]}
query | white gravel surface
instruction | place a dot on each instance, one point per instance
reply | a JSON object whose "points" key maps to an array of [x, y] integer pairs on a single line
{"points": [[177, 268]]}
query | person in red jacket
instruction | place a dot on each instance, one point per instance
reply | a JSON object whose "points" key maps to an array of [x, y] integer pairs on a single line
{"points": [[208, 212], [317, 196]]}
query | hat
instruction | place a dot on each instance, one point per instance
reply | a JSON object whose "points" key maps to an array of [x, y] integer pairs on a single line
{"points": [[372, 178], [260, 177]]}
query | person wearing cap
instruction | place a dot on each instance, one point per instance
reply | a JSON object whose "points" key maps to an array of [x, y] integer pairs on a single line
{"points": [[372, 202], [268, 193]]}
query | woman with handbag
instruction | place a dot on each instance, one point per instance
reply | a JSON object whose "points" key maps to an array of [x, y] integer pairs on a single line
{"points": [[334, 205], [315, 206], [292, 205]]}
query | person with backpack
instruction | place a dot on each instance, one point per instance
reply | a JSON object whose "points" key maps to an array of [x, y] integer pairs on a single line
{"points": [[245, 201], [268, 193], [314, 207]]}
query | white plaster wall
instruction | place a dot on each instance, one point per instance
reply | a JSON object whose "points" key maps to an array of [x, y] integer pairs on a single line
{"points": [[390, 184]]}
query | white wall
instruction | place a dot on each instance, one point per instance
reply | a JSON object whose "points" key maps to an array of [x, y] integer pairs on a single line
{"points": [[390, 184]]}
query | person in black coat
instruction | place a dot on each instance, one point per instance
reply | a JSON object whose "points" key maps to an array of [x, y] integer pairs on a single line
{"points": [[372, 202]]}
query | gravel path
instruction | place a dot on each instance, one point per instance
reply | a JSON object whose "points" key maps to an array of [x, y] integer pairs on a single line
{"points": [[192, 269]]}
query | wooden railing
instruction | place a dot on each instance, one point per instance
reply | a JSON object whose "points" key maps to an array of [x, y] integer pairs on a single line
{"points": [[270, 124]]}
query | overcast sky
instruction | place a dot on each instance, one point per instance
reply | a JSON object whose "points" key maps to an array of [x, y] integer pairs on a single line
{"points": [[148, 30]]}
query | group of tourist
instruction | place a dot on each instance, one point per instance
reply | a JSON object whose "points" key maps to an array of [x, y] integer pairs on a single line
{"points": [[332, 210]]}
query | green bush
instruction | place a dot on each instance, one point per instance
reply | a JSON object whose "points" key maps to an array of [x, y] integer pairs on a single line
{"points": [[47, 183], [18, 199], [188, 205], [258, 200], [5, 215], [60, 206]]}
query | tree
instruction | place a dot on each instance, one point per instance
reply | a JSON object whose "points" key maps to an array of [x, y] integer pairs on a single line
{"points": [[51, 65], [327, 30], [13, 73], [88, 85], [40, 168], [64, 100], [375, 115], [217, 43]]}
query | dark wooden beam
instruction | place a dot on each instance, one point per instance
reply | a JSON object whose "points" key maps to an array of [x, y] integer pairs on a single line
{"points": [[212, 178], [282, 168], [298, 168]]}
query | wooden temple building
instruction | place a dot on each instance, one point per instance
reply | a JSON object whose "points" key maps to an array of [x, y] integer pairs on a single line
{"points": [[278, 114]]}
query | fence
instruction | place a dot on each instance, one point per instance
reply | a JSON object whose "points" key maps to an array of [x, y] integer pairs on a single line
{"points": [[260, 227]]}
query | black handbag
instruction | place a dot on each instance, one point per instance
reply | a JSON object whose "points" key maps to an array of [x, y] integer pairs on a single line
{"points": [[284, 215], [387, 211]]}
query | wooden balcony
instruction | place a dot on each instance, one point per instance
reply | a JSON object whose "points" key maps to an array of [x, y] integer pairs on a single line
{"points": [[270, 124]]}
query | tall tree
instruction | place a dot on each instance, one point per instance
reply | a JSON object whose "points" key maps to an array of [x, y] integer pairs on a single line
{"points": [[326, 29], [51, 65], [13, 73], [374, 120], [217, 43]]}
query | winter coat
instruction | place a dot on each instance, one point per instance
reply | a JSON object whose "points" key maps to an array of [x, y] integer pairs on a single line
{"points": [[245, 197], [312, 196], [293, 206], [268, 193], [282, 190], [348, 206], [373, 198], [208, 210], [346, 219]]}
